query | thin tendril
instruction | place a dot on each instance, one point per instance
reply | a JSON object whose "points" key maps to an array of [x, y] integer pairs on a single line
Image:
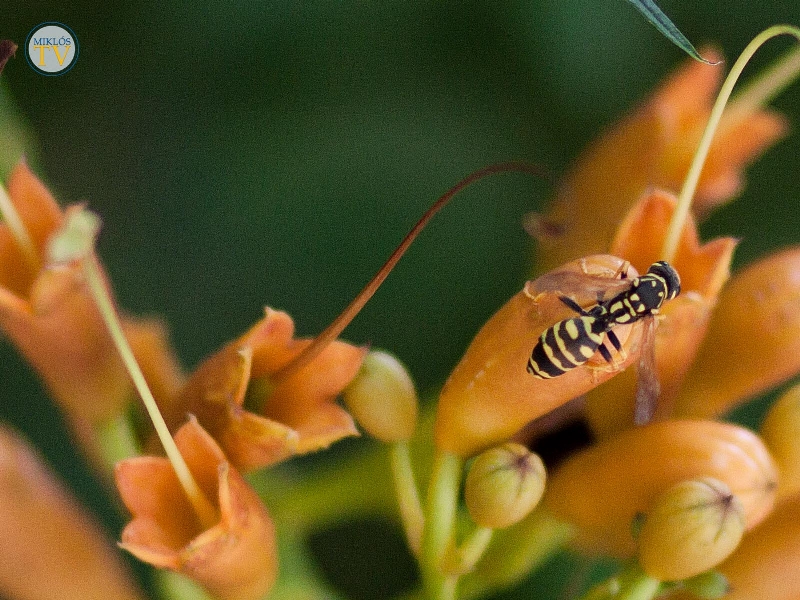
{"points": [[693, 176], [343, 320]]}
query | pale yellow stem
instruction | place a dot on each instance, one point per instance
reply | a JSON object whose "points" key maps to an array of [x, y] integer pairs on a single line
{"points": [[693, 176], [17, 228], [206, 513]]}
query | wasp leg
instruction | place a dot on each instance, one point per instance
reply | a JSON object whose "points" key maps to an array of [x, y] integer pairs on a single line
{"points": [[604, 352], [623, 356], [612, 337], [622, 272], [573, 305]]}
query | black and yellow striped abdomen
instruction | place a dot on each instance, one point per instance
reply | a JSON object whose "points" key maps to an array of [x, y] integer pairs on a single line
{"points": [[565, 345], [571, 342]]}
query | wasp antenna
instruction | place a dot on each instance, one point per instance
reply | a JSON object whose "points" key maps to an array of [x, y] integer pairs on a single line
{"points": [[343, 320]]}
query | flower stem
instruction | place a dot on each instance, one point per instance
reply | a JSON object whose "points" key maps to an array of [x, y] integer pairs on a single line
{"points": [[438, 533], [206, 513], [117, 439], [407, 495], [693, 176], [18, 231], [470, 551], [631, 584]]}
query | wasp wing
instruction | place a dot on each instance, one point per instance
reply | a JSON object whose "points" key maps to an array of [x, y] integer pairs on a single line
{"points": [[648, 387]]}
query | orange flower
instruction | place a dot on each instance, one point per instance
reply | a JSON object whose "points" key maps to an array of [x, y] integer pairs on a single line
{"points": [[682, 323], [765, 564], [259, 421], [490, 396], [652, 147], [601, 489], [49, 314], [234, 559], [753, 342], [50, 549]]}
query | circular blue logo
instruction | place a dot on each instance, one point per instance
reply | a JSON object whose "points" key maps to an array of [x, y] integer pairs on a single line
{"points": [[51, 48]]}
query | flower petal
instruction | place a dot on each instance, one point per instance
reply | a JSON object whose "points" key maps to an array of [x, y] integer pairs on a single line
{"points": [[601, 489], [234, 559], [682, 323], [753, 342], [489, 395], [653, 147], [50, 548], [257, 420]]}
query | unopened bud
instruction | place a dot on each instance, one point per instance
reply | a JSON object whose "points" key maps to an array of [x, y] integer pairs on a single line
{"points": [[503, 485], [382, 398], [691, 528], [781, 433]]}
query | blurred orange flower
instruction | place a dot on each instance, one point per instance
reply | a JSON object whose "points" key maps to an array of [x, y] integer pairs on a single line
{"points": [[50, 547], [652, 147], [49, 314]]}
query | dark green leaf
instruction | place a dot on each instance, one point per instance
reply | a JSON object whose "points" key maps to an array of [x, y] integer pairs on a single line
{"points": [[661, 21]]}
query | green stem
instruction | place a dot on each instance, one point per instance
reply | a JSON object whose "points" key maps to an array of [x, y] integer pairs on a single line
{"points": [[438, 533], [205, 511], [631, 584], [515, 552], [117, 439], [471, 550], [693, 176], [407, 494]]}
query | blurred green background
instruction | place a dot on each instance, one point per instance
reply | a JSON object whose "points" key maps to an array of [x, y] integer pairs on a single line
{"points": [[247, 153]]}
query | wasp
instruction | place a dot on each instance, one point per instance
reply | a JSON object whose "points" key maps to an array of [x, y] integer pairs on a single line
{"points": [[572, 342]]}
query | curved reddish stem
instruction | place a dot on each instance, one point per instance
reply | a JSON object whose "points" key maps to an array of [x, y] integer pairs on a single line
{"points": [[343, 320]]}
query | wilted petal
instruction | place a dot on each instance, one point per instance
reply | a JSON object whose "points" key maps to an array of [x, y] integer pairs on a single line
{"points": [[601, 489], [490, 395], [765, 564], [234, 559], [682, 323], [259, 421], [653, 147], [50, 548], [753, 342]]}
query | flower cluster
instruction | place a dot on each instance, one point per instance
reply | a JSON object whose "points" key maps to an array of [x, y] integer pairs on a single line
{"points": [[697, 504]]}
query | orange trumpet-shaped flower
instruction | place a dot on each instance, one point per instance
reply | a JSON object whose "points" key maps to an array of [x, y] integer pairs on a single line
{"points": [[765, 564], [652, 147], [50, 548], [682, 323], [601, 489], [490, 396], [49, 314], [780, 431], [258, 421], [753, 341], [234, 559]]}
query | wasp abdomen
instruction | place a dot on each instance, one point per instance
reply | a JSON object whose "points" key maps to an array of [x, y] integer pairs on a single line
{"points": [[565, 345]]}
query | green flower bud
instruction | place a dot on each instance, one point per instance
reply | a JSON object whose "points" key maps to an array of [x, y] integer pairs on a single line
{"points": [[691, 528], [503, 485], [382, 398]]}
